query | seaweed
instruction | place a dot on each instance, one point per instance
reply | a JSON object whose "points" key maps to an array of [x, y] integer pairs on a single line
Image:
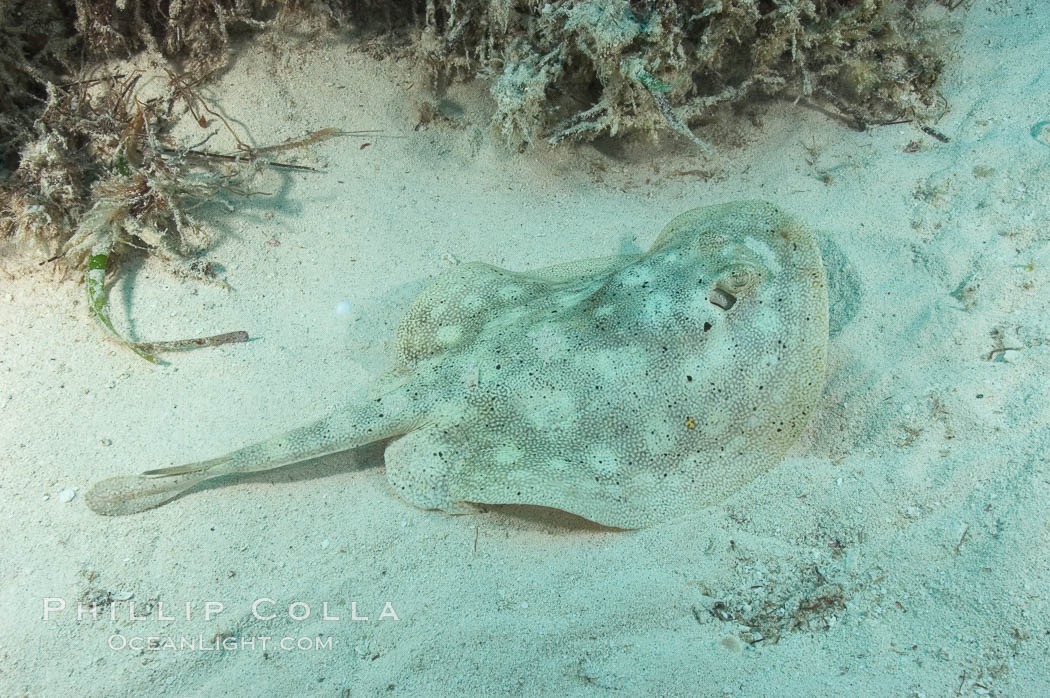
{"points": [[44, 42], [565, 70], [574, 70], [95, 281], [90, 171], [105, 179]]}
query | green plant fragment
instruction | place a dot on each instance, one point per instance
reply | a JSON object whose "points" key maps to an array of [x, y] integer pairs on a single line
{"points": [[95, 281]]}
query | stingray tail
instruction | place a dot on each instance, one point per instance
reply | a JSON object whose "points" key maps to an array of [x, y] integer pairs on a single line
{"points": [[349, 427], [130, 494]]}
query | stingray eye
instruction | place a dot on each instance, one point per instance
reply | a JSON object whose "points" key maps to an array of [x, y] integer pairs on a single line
{"points": [[732, 283]]}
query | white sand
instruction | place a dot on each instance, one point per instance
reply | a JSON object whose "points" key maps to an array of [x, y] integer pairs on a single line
{"points": [[902, 549]]}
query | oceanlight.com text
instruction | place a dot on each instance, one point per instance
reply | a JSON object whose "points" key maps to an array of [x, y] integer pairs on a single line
{"points": [[224, 643]]}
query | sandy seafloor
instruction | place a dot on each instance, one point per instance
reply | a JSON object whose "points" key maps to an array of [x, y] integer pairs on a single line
{"points": [[901, 549]]}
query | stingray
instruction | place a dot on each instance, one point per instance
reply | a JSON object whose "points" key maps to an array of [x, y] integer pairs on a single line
{"points": [[627, 390]]}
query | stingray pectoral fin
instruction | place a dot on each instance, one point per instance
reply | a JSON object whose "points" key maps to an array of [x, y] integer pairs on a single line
{"points": [[130, 494], [417, 467]]}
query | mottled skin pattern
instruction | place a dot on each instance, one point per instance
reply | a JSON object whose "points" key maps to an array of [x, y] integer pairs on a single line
{"points": [[625, 389]]}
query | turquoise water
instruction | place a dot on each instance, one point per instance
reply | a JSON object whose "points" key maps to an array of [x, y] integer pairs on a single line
{"points": [[897, 548]]}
